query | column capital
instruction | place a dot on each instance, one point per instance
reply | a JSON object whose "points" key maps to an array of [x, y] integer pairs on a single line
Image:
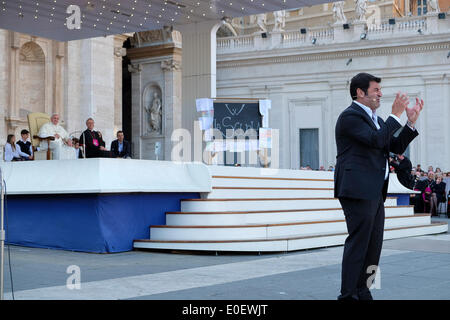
{"points": [[170, 65], [135, 68]]}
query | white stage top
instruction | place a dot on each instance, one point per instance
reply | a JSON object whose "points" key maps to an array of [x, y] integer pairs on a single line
{"points": [[100, 175]]}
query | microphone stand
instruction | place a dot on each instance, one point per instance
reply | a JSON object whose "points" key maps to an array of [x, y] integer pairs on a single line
{"points": [[84, 146], [2, 238]]}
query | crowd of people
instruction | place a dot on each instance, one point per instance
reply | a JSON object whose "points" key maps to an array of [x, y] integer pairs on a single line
{"points": [[433, 184], [90, 144]]}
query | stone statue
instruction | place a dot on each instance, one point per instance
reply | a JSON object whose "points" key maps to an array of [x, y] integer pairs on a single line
{"points": [[338, 12], [433, 6], [280, 20], [167, 33], [155, 113], [360, 10], [261, 21]]}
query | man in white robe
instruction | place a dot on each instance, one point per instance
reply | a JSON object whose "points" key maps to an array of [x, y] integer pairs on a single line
{"points": [[62, 145]]}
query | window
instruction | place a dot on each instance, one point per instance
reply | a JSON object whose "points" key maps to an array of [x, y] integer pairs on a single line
{"points": [[309, 148], [421, 7]]}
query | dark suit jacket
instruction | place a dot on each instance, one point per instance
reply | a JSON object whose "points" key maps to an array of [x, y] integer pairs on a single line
{"points": [[403, 171], [362, 151], [92, 151], [126, 151]]}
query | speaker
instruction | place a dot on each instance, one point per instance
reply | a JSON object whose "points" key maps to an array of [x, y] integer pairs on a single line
{"points": [[346, 26], [391, 21], [441, 15], [264, 35], [302, 30]]}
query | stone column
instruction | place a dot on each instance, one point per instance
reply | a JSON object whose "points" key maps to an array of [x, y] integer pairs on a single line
{"points": [[119, 53], [199, 68], [433, 146], [58, 79], [90, 85], [173, 92], [156, 81], [4, 85], [12, 115]]}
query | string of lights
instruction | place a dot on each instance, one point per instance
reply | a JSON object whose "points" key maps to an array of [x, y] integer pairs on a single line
{"points": [[102, 17]]}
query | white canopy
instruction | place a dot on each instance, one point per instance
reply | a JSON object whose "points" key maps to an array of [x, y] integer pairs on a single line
{"points": [[47, 18]]}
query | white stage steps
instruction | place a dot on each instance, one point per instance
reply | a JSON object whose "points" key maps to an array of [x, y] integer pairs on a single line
{"points": [[252, 209]]}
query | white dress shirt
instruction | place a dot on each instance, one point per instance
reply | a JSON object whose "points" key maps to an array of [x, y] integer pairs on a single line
{"points": [[374, 118]]}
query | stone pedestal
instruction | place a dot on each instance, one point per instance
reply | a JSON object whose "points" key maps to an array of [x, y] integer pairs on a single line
{"points": [[156, 92], [358, 27]]}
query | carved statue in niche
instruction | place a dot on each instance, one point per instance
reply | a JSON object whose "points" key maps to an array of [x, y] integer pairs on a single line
{"points": [[360, 10], [154, 111], [338, 12]]}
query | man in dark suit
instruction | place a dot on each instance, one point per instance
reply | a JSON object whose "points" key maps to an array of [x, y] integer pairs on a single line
{"points": [[120, 148], [403, 168], [361, 177], [92, 142]]}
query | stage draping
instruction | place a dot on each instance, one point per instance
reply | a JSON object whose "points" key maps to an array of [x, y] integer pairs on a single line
{"points": [[87, 222]]}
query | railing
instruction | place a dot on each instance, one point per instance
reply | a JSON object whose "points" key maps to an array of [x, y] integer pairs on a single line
{"points": [[428, 24], [401, 25], [235, 42]]}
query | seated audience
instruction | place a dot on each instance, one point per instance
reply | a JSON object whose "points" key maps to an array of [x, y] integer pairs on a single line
{"points": [[421, 185], [426, 197], [437, 195], [13, 152], [92, 142], [62, 145], [24, 144], [121, 148]]}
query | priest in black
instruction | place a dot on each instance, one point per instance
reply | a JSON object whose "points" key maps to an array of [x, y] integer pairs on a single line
{"points": [[92, 142]]}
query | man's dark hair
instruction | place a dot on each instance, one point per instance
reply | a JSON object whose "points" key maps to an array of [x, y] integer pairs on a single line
{"points": [[24, 131], [120, 131], [361, 81]]}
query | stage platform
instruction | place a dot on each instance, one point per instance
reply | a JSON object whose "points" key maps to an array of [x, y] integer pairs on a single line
{"points": [[115, 205], [94, 205]]}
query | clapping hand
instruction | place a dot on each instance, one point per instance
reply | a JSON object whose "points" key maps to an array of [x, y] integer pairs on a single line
{"points": [[413, 113], [400, 103]]}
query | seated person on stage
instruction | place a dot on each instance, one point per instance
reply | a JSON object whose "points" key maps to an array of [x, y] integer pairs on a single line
{"points": [[92, 142], [24, 144], [13, 152], [62, 145], [120, 148], [76, 145]]}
